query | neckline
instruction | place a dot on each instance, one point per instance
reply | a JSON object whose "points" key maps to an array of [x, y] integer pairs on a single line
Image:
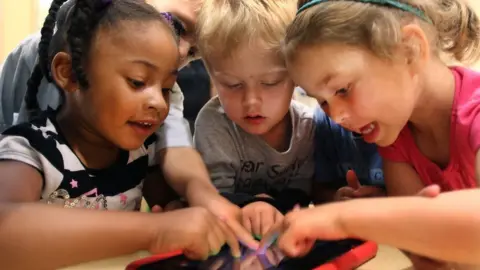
{"points": [[451, 165], [121, 159]]}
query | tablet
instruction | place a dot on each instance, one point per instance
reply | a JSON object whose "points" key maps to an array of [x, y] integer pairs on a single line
{"points": [[331, 255]]}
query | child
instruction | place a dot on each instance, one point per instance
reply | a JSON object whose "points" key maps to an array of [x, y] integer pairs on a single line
{"points": [[115, 63], [256, 142], [346, 167], [375, 68]]}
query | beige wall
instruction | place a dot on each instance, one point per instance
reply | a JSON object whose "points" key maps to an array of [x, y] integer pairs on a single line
{"points": [[17, 20], [20, 18]]}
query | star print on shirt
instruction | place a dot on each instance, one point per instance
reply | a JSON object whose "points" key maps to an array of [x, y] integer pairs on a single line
{"points": [[74, 183], [123, 198]]}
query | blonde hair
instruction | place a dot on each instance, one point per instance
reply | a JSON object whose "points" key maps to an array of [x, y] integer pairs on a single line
{"points": [[452, 27], [223, 25]]}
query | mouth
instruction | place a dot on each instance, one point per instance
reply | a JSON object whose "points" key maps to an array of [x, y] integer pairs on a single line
{"points": [[144, 126], [255, 119], [369, 132]]}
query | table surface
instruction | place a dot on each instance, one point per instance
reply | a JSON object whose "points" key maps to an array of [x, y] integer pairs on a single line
{"points": [[387, 258]]}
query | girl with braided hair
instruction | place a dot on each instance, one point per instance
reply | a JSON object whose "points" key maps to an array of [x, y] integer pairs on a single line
{"points": [[115, 63]]}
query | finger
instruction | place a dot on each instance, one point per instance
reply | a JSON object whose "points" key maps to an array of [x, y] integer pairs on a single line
{"points": [[268, 219], [367, 191], [242, 234], [231, 240], [278, 218], [246, 222], [256, 221], [352, 180], [430, 191], [344, 192], [174, 205], [197, 252], [216, 238], [156, 209], [269, 237]]}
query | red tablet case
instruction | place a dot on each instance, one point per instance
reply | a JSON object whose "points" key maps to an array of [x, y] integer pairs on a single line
{"points": [[347, 261]]}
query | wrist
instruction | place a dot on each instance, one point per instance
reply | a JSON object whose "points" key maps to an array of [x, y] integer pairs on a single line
{"points": [[199, 193], [345, 215]]}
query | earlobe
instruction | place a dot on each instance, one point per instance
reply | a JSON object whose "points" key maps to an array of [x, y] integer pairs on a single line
{"points": [[416, 45], [62, 74]]}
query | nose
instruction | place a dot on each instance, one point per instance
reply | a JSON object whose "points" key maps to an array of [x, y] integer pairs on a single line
{"points": [[251, 98], [339, 112], [156, 102]]}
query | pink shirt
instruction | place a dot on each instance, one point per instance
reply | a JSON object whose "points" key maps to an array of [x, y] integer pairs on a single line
{"points": [[464, 139]]}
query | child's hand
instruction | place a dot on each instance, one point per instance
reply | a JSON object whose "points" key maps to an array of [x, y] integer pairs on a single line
{"points": [[356, 190], [259, 217], [299, 229], [195, 231]]}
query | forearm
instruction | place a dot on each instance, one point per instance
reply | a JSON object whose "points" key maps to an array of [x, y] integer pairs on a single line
{"points": [[36, 236], [445, 228], [186, 173]]}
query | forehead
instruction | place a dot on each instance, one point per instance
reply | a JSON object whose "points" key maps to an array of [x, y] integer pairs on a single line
{"points": [[152, 40], [248, 60], [317, 63]]}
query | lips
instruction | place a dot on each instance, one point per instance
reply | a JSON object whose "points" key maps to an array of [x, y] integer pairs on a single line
{"points": [[144, 127], [255, 119], [370, 132]]}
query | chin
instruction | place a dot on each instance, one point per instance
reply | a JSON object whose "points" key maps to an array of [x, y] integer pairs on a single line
{"points": [[256, 130], [386, 140], [131, 145]]}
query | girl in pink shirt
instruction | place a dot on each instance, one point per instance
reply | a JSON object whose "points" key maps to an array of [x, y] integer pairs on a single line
{"points": [[375, 67]]}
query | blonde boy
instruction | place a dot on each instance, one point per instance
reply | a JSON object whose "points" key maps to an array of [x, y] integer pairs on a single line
{"points": [[256, 142]]}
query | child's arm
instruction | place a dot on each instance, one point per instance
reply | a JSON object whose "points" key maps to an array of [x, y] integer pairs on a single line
{"points": [[37, 236], [446, 227]]}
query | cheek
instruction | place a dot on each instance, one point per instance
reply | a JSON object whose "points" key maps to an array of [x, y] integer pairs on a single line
{"points": [[230, 101]]}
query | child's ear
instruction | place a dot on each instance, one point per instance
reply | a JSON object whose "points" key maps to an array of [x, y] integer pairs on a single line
{"points": [[62, 72], [416, 45]]}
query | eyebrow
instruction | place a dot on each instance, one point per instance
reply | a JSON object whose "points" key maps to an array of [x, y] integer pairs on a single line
{"points": [[152, 66]]}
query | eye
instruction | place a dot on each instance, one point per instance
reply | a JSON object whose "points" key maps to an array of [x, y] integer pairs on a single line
{"points": [[234, 86], [342, 91], [271, 83], [136, 84]]}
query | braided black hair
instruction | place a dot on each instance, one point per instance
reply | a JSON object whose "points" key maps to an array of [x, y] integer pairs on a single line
{"points": [[41, 67], [77, 23]]}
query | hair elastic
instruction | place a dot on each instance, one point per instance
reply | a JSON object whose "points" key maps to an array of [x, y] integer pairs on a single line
{"points": [[168, 17], [392, 3]]}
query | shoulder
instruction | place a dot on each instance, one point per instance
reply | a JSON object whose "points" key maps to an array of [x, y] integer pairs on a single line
{"points": [[28, 142], [303, 116], [212, 115], [25, 52]]}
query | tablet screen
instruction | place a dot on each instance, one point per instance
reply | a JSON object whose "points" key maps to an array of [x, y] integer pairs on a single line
{"points": [[321, 253]]}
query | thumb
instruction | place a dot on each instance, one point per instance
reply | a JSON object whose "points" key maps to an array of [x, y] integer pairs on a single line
{"points": [[157, 209], [431, 191], [352, 180]]}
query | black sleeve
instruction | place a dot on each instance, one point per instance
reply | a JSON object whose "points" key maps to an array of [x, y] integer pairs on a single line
{"points": [[284, 201]]}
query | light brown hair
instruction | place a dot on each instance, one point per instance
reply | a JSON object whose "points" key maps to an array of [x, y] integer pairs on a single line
{"points": [[223, 25], [453, 29]]}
